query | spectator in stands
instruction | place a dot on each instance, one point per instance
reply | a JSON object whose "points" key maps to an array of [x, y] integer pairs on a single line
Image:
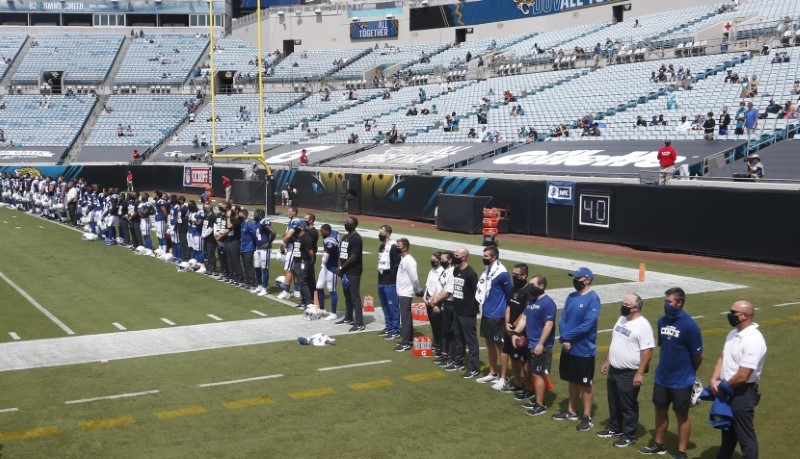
{"points": [[120, 130], [666, 159], [304, 157], [129, 131], [203, 139], [754, 167], [772, 108], [636, 24], [697, 123], [472, 134], [787, 111], [724, 121], [560, 131], [533, 136], [412, 111], [392, 136], [796, 89], [425, 111], [640, 122], [2, 105], [751, 119], [483, 115], [422, 95], [434, 110], [136, 155], [672, 98], [708, 126], [508, 96], [353, 138]]}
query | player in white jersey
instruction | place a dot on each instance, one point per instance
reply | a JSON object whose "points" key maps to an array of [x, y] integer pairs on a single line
{"points": [[290, 245], [145, 210], [161, 211], [327, 278], [195, 217]]}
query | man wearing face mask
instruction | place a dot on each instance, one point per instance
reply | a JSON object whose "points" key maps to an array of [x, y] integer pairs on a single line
{"points": [[350, 269], [680, 355], [428, 294], [578, 325], [736, 375], [388, 262], [463, 287], [233, 242], [626, 362], [247, 250], [210, 244], [515, 307], [442, 304], [539, 324], [494, 289], [220, 231], [407, 288], [303, 263]]}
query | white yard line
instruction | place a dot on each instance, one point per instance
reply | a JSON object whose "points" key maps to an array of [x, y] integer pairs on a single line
{"points": [[606, 330], [237, 381], [38, 306], [8, 410], [258, 313], [119, 326], [355, 365], [111, 397], [167, 321], [786, 304], [218, 319], [697, 317], [14, 336]]}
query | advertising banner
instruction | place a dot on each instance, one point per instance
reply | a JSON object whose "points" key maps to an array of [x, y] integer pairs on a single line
{"points": [[196, 176]]}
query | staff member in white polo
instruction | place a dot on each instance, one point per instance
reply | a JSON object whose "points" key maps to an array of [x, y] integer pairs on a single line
{"points": [[631, 348], [407, 286], [736, 374]]}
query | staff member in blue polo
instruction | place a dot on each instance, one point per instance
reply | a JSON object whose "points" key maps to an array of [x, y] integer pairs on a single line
{"points": [[680, 355], [578, 325]]}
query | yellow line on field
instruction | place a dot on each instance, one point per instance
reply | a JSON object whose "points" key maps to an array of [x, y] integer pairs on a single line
{"points": [[311, 393], [424, 376], [774, 321], [178, 413], [370, 384], [112, 422], [715, 331], [31, 433], [249, 402], [794, 317]]}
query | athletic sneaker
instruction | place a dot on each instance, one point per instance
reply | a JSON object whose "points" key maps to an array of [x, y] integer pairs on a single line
{"points": [[655, 448], [263, 293], [488, 378], [392, 336], [355, 328], [530, 404], [697, 390], [256, 290], [500, 383], [445, 363], [402, 347], [623, 442], [344, 322], [681, 455], [330, 316], [585, 424], [439, 360], [536, 410], [510, 389], [297, 294], [565, 416], [608, 433], [469, 374], [385, 332], [284, 295], [454, 367], [523, 395]]}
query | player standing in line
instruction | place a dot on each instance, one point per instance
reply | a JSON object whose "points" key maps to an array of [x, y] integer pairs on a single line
{"points": [[263, 252], [196, 218], [388, 262], [288, 248], [161, 213], [327, 273], [145, 209], [428, 294], [175, 220]]}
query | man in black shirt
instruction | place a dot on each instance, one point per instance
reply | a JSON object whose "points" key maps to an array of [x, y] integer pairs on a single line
{"points": [[207, 234], [514, 308], [465, 306], [724, 121], [388, 261], [303, 264], [314, 235], [183, 228], [350, 268], [232, 244]]}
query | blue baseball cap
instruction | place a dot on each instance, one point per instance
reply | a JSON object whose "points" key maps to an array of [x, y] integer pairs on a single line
{"points": [[301, 224], [582, 272], [204, 196]]}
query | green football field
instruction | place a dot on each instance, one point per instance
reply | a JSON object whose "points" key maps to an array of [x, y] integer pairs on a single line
{"points": [[355, 399]]}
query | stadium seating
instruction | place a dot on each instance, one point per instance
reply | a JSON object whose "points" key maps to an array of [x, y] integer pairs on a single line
{"points": [[448, 57], [84, 59], [28, 122], [313, 64], [151, 117], [234, 54], [388, 56], [9, 48], [157, 63]]}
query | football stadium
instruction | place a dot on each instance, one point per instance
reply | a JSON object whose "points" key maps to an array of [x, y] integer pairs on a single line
{"points": [[441, 228]]}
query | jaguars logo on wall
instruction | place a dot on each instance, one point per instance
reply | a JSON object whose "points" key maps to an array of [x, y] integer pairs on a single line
{"points": [[383, 186], [525, 6], [329, 183], [32, 171]]}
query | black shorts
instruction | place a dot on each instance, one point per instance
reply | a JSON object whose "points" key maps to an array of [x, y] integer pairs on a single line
{"points": [[578, 370], [521, 355], [681, 399], [493, 328], [446, 320], [540, 364]]}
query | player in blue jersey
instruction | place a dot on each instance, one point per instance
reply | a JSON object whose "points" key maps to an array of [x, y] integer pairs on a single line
{"points": [[196, 217], [263, 250], [145, 210], [111, 218], [175, 220], [327, 278], [494, 290], [161, 216], [288, 248]]}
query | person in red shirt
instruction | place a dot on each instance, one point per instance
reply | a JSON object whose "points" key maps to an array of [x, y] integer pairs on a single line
{"points": [[129, 181], [303, 157], [666, 158], [226, 183], [136, 155]]}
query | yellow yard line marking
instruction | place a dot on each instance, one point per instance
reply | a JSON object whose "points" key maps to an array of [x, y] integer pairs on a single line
{"points": [[370, 384], [774, 321], [249, 402], [715, 331], [182, 412], [794, 317], [112, 422], [424, 376], [31, 433], [311, 393]]}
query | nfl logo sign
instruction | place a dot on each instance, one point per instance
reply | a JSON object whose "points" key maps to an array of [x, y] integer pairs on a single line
{"points": [[187, 176]]}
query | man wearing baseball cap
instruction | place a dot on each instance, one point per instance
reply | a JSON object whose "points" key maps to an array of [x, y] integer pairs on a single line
{"points": [[578, 325]]}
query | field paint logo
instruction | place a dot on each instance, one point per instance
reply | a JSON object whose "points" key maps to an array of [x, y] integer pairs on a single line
{"points": [[576, 158]]}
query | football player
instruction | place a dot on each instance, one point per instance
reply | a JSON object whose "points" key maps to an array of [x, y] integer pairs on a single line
{"points": [[175, 220], [327, 273], [196, 217], [145, 210], [161, 213], [288, 249], [266, 235]]}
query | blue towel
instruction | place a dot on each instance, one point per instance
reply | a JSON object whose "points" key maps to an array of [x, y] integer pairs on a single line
{"points": [[721, 414]]}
